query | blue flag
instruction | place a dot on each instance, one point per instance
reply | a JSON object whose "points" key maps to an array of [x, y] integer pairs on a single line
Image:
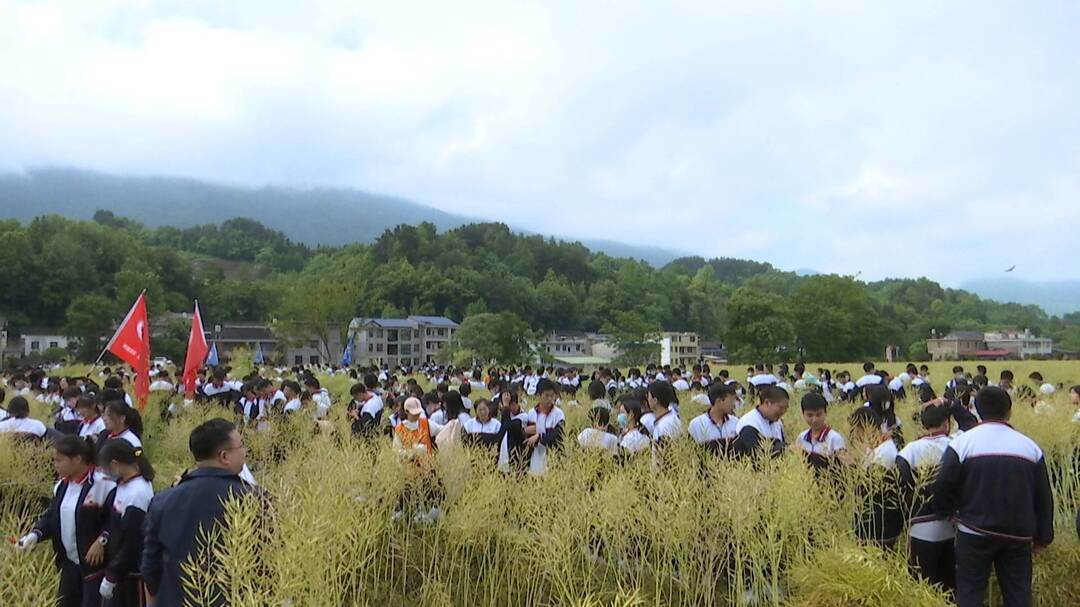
{"points": [[346, 356], [259, 359], [211, 358]]}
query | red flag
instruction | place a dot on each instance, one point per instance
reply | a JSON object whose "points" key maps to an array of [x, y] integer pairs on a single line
{"points": [[196, 352], [131, 344]]}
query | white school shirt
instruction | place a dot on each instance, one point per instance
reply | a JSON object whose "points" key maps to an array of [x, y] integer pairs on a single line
{"points": [[763, 379], [91, 427], [127, 435], [766, 429], [474, 426], [825, 446], [292, 405], [592, 438], [322, 403], [904, 377], [161, 386], [68, 414], [23, 425], [438, 417], [667, 425], [896, 384], [544, 422], [884, 454], [69, 504], [701, 399], [530, 384], [634, 441], [647, 420], [372, 406], [923, 453], [466, 402], [703, 429], [681, 385], [917, 381], [133, 493], [868, 380], [3, 414]]}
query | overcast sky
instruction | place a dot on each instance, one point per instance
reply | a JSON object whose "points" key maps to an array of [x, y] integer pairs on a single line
{"points": [[895, 139]]}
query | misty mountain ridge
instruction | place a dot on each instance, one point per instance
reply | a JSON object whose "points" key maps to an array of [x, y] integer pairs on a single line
{"points": [[1057, 297], [313, 216]]}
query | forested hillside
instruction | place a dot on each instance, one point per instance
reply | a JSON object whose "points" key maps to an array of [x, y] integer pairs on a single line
{"points": [[81, 275]]}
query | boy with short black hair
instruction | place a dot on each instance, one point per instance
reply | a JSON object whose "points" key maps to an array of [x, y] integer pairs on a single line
{"points": [[761, 426], [715, 429], [819, 442], [993, 482], [931, 535]]}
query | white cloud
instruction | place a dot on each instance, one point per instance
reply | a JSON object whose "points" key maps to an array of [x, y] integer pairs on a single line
{"points": [[894, 139]]}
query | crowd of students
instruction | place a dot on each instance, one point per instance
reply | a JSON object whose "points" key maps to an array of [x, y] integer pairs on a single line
{"points": [[978, 490]]}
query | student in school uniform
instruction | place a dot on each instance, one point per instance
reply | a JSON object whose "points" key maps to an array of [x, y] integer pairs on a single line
{"points": [[598, 394], [931, 535], [76, 522], [91, 425], [483, 429], [161, 382], [596, 436], [121, 421], [881, 521], [127, 504], [666, 427], [433, 406], [869, 378], [820, 443], [635, 437], [761, 426], [291, 390], [513, 454], [993, 482], [545, 427], [715, 429], [320, 396], [19, 422], [880, 399], [273, 398], [365, 410], [67, 418]]}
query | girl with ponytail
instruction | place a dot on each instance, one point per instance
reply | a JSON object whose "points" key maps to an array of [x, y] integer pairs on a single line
{"points": [[127, 504]]}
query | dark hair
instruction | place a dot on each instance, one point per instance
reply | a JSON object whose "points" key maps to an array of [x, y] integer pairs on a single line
{"points": [[812, 401], [633, 411], [371, 381], [980, 381], [1075, 389], [131, 417], [993, 403], [597, 390], [19, 407], [290, 384], [70, 445], [720, 392], [600, 415], [72, 392], [926, 393], [957, 369], [431, 398], [114, 383], [546, 385], [1007, 374], [357, 388], [453, 404], [932, 417], [1035, 375], [465, 388], [124, 452], [210, 438], [881, 402], [865, 418], [311, 382], [868, 366], [663, 392], [773, 394]]}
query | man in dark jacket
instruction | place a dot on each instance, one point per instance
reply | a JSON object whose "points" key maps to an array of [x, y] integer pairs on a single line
{"points": [[179, 517], [993, 482]]}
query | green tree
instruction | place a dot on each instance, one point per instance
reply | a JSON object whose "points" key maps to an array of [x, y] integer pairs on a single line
{"points": [[834, 319], [760, 329], [90, 319], [501, 337], [636, 338], [317, 307]]}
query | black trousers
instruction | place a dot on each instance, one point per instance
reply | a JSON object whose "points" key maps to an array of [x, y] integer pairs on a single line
{"points": [[935, 562], [976, 555], [75, 590], [128, 593]]}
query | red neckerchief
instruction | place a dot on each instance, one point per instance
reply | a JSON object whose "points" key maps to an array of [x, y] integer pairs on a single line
{"points": [[87, 422], [116, 434], [124, 482], [82, 478], [820, 438]]}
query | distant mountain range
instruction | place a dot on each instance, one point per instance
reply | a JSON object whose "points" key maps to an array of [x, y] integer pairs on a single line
{"points": [[1055, 296], [336, 216], [330, 216]]}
